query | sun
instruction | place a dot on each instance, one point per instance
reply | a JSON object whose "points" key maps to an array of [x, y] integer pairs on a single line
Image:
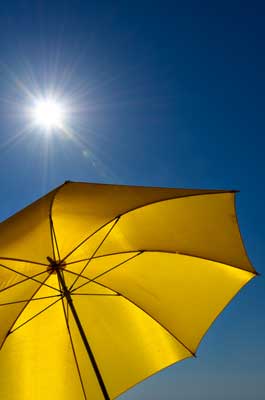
{"points": [[48, 114]]}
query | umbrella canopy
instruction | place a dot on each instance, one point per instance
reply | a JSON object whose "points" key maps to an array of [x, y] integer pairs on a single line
{"points": [[101, 286]]}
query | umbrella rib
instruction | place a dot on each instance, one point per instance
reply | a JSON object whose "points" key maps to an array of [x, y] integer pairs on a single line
{"points": [[24, 261], [93, 294], [98, 247], [217, 261], [35, 315], [73, 349], [205, 191], [241, 237], [181, 254], [23, 280], [29, 277], [105, 272], [54, 240], [142, 206], [151, 316], [121, 252], [162, 251], [25, 301], [51, 234], [52, 231]]}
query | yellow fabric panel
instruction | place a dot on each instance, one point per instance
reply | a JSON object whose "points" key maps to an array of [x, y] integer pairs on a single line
{"points": [[203, 226], [37, 360], [185, 294], [79, 209], [12, 272], [26, 235], [127, 344], [14, 287], [89, 247], [35, 306]]}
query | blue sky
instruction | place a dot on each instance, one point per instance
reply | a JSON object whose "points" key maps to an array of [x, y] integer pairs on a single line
{"points": [[161, 93]]}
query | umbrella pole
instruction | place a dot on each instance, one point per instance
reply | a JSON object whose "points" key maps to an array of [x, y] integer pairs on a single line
{"points": [[82, 333]]}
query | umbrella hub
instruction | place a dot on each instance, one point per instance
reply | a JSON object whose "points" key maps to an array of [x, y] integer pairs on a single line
{"points": [[55, 265]]}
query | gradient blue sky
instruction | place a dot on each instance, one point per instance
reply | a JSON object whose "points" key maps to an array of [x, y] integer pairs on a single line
{"points": [[162, 93]]}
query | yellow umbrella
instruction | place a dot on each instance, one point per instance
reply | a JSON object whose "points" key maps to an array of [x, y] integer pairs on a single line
{"points": [[101, 286]]}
